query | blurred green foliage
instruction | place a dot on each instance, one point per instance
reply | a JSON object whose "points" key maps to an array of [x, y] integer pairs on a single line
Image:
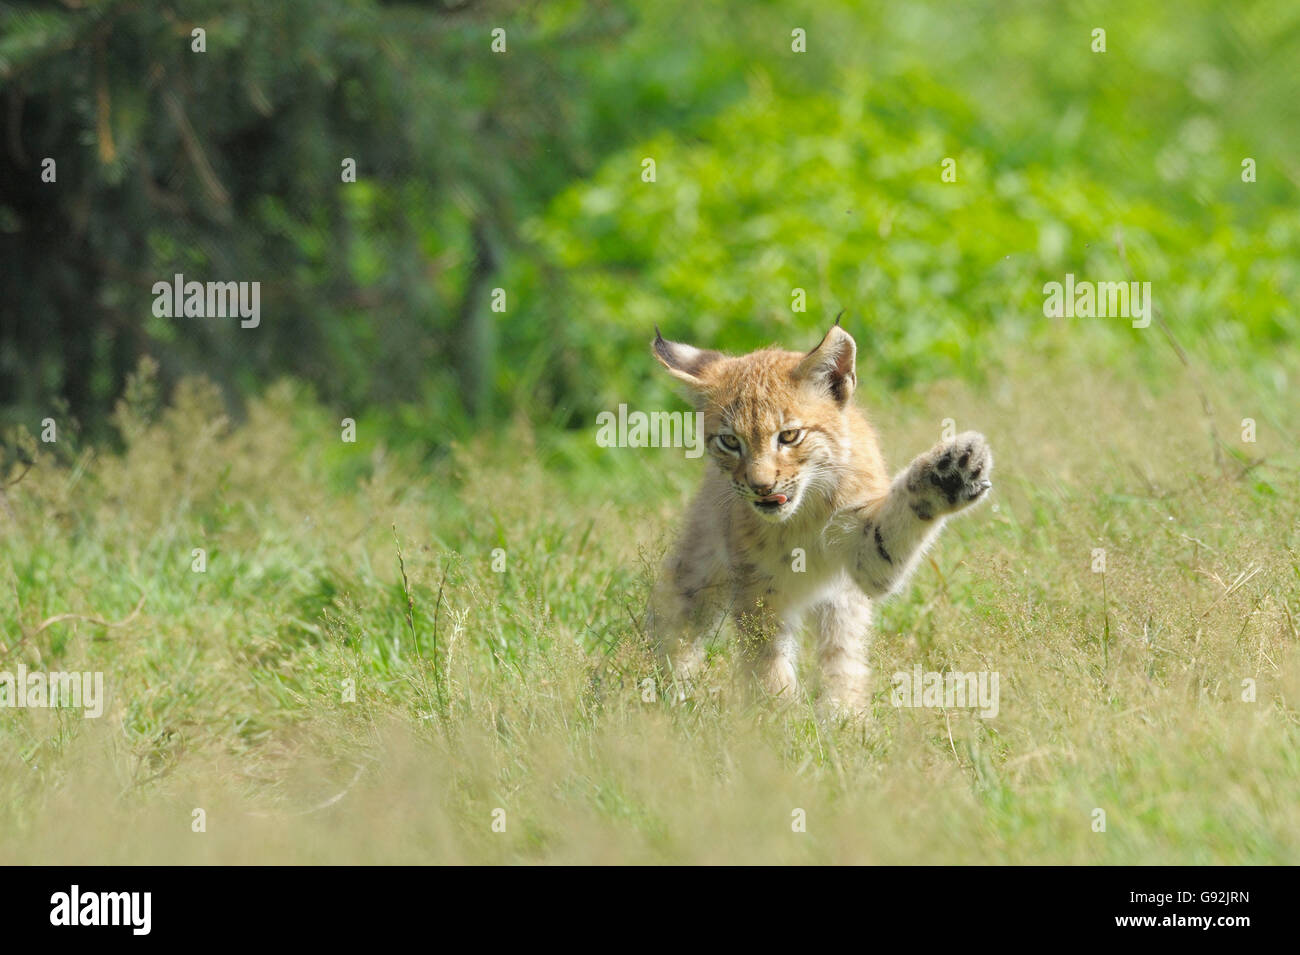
{"points": [[521, 170]]}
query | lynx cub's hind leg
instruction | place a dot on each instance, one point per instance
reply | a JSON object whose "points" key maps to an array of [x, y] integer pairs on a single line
{"points": [[843, 623]]}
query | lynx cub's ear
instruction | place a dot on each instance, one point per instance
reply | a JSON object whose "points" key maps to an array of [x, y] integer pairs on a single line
{"points": [[830, 365], [686, 363]]}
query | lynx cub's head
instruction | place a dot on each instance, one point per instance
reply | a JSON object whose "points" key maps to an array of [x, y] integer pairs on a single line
{"points": [[774, 421]]}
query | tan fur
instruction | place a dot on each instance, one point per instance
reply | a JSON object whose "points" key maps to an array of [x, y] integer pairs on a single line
{"points": [[845, 533]]}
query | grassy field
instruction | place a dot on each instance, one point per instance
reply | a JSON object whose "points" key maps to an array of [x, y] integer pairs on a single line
{"points": [[521, 690]]}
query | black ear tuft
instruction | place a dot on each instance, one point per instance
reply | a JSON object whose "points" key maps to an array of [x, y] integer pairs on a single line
{"points": [[684, 362], [831, 365]]}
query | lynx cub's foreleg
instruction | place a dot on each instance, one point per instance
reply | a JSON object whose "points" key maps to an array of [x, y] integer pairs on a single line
{"points": [[895, 532], [686, 608], [767, 646]]}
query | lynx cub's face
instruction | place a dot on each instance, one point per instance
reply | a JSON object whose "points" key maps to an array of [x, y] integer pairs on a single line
{"points": [[773, 420]]}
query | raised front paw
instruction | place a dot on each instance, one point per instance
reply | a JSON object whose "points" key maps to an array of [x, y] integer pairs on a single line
{"points": [[950, 476]]}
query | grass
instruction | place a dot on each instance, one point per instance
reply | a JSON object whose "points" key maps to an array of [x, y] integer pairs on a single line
{"points": [[521, 690]]}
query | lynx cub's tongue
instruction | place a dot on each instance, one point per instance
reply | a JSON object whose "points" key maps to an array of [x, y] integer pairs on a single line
{"points": [[774, 499]]}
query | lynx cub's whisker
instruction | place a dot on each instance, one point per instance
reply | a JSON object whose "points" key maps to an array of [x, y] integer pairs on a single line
{"points": [[799, 519]]}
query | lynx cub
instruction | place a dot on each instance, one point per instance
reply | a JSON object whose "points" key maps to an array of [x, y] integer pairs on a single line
{"points": [[800, 518]]}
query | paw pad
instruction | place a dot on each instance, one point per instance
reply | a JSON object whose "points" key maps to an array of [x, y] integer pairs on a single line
{"points": [[959, 473]]}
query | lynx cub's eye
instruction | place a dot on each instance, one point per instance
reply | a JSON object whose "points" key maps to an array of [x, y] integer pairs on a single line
{"points": [[791, 436], [729, 442]]}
